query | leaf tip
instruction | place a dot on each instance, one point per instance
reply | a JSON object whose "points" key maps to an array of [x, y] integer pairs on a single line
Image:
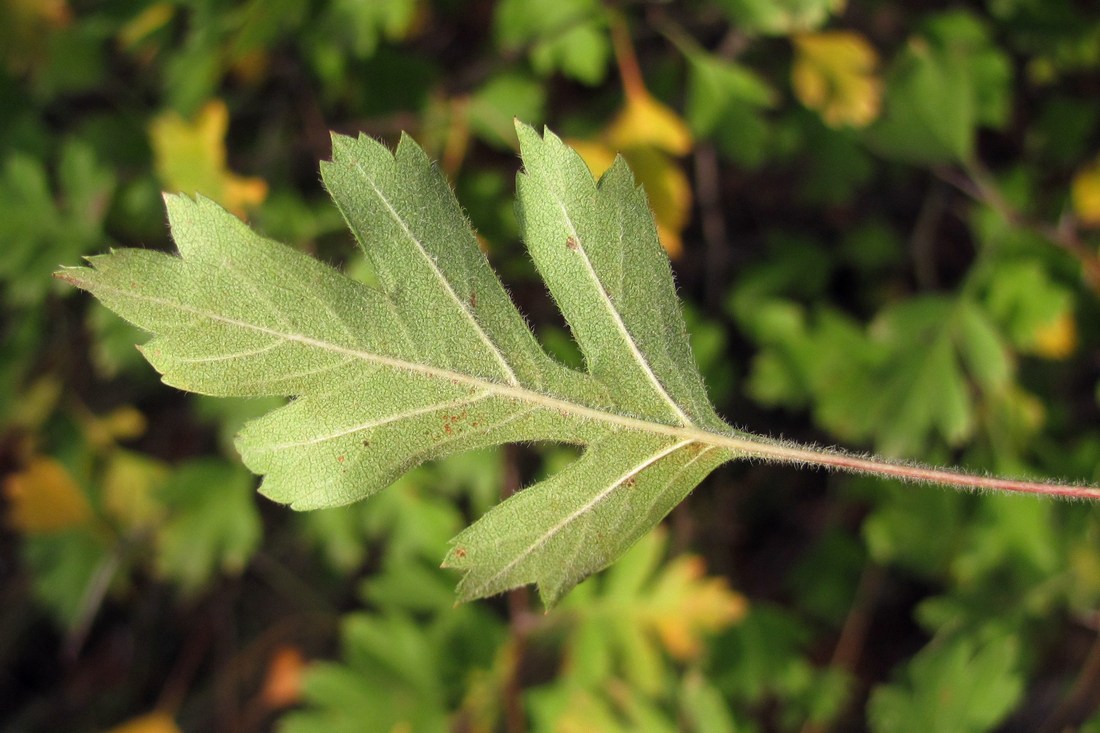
{"points": [[68, 274]]}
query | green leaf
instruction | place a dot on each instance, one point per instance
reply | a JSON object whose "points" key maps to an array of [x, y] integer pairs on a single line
{"points": [[779, 17], [959, 686], [212, 525], [436, 359], [559, 35], [37, 229], [388, 682], [946, 83], [725, 102]]}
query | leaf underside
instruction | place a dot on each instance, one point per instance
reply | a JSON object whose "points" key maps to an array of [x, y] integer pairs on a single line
{"points": [[437, 359]]}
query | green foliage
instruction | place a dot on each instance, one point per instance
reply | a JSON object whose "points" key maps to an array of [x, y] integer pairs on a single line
{"points": [[955, 685], [887, 240], [37, 230]]}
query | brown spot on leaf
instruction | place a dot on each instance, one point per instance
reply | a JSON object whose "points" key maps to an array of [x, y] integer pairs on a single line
{"points": [[339, 459], [460, 552], [630, 482], [571, 243], [365, 442], [473, 299]]}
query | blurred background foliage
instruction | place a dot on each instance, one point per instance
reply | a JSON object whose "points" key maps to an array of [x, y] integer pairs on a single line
{"points": [[884, 222]]}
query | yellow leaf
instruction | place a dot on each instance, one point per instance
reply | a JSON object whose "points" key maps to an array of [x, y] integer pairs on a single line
{"points": [[597, 155], [669, 193], [646, 132], [1058, 339], [43, 497], [834, 74], [646, 123], [129, 483], [190, 158], [125, 423], [1086, 195], [149, 723], [689, 605]]}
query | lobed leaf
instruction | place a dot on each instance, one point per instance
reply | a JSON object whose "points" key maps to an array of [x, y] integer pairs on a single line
{"points": [[437, 360]]}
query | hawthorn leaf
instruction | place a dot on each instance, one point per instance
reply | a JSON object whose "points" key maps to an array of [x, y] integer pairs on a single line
{"points": [[436, 359]]}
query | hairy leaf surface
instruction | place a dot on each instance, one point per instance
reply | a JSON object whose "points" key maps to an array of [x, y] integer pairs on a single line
{"points": [[438, 360]]}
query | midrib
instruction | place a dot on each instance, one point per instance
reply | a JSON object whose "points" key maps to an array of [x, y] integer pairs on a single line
{"points": [[742, 445]]}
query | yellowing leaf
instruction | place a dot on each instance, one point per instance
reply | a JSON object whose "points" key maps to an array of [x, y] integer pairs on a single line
{"points": [[646, 133], [685, 605], [597, 155], [149, 723], [123, 423], [190, 158], [645, 122], [1086, 195], [669, 193], [128, 486], [1058, 339], [666, 186], [834, 74], [43, 497]]}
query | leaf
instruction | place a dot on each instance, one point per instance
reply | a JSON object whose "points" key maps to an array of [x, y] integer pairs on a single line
{"points": [[391, 679], [436, 359], [834, 73], [569, 36], [1086, 194], [780, 17], [212, 524], [39, 229], [282, 685], [190, 156], [647, 134], [960, 685], [643, 610], [948, 81], [129, 485], [43, 497], [726, 102]]}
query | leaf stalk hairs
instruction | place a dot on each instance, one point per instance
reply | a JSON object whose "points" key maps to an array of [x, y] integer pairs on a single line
{"points": [[437, 359]]}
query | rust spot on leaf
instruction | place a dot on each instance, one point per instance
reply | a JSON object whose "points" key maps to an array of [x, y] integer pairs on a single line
{"points": [[571, 243], [339, 459]]}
